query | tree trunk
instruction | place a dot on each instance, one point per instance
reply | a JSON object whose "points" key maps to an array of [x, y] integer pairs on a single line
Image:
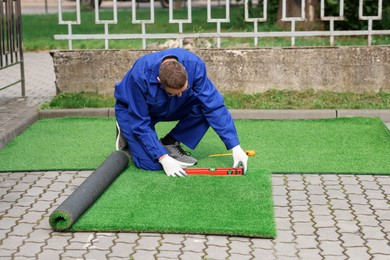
{"points": [[293, 9]]}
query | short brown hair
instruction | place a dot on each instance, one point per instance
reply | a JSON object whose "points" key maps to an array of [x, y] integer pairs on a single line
{"points": [[173, 74]]}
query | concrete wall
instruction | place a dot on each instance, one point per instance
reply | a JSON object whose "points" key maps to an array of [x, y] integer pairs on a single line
{"points": [[358, 69]]}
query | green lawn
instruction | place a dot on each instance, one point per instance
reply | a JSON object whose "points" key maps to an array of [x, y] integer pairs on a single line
{"points": [[272, 99]]}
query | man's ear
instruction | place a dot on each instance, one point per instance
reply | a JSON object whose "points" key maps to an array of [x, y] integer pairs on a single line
{"points": [[158, 78]]}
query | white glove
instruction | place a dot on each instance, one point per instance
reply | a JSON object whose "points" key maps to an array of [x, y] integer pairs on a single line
{"points": [[172, 167], [239, 156]]}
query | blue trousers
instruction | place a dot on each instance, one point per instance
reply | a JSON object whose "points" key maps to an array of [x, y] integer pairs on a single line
{"points": [[190, 129]]}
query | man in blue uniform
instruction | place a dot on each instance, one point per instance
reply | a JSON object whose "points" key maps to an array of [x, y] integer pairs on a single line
{"points": [[171, 85]]}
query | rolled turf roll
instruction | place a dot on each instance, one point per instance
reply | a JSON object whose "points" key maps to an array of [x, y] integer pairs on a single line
{"points": [[88, 192]]}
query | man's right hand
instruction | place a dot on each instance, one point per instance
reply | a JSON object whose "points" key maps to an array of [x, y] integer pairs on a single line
{"points": [[172, 167]]}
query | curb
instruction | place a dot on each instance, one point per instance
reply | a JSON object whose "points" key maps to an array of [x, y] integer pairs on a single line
{"points": [[17, 126], [240, 113]]}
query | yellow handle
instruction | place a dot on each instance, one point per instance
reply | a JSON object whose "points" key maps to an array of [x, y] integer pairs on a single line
{"points": [[248, 152]]}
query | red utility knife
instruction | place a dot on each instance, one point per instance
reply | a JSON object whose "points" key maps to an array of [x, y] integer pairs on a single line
{"points": [[215, 171]]}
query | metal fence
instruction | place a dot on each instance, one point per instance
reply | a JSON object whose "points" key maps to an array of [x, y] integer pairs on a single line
{"points": [[256, 34], [11, 40]]}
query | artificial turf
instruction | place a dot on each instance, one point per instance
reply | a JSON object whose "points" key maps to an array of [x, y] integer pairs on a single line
{"points": [[145, 201]]}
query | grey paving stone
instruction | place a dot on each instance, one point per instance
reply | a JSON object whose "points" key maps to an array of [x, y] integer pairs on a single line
{"points": [[382, 214], [286, 249], [31, 217], [374, 194], [372, 232], [170, 247], [331, 248], [15, 211], [12, 242], [77, 246], [49, 254], [348, 226], [358, 199], [309, 253], [5, 253], [281, 201], [168, 254], [41, 206], [239, 257], [26, 201], [328, 234], [148, 243], [73, 254], [301, 228], [283, 223], [29, 249], [357, 253], [143, 254], [279, 191], [379, 204], [12, 196], [127, 237], [22, 229], [343, 215], [217, 240], [318, 199], [281, 212], [191, 256], [340, 204], [306, 242], [301, 216], [38, 235], [238, 247], [362, 209], [82, 237], [97, 254], [194, 244], [103, 242], [57, 242], [172, 238], [378, 247], [122, 250], [352, 240], [260, 253], [216, 252]]}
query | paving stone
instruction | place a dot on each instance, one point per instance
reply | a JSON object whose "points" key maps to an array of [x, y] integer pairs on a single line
{"points": [[217, 240], [97, 254], [301, 216], [57, 242], [357, 253], [374, 194], [328, 234], [191, 256], [34, 191], [50, 196], [362, 209], [324, 221], [39, 236], [143, 254], [194, 244], [301, 228], [378, 247], [348, 226], [148, 243], [281, 201], [12, 196], [260, 253], [16, 211], [352, 240], [77, 246], [172, 238], [12, 242], [331, 248], [372, 232], [281, 212], [261, 243], [216, 252], [29, 249], [358, 199], [22, 229], [309, 253], [6, 254], [379, 204], [41, 206], [279, 191], [315, 190], [26, 201], [170, 247], [102, 242], [283, 223], [286, 249], [339, 204], [239, 257], [238, 247], [343, 215], [284, 236], [367, 220], [83, 237], [50, 254], [168, 254], [321, 210], [306, 242], [382, 214], [73, 254], [31, 217]]}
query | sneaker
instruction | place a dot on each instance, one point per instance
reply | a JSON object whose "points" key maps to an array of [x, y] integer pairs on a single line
{"points": [[121, 142], [177, 152]]}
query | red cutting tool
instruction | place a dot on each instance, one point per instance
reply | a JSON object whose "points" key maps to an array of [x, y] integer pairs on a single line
{"points": [[215, 171]]}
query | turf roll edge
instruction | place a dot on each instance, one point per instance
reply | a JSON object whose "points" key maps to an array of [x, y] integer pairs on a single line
{"points": [[88, 192]]}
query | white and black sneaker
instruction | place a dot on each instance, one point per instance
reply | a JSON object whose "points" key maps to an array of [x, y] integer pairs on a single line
{"points": [[177, 152], [120, 142]]}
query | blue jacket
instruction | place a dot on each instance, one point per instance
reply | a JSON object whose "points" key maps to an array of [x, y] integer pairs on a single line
{"points": [[146, 102]]}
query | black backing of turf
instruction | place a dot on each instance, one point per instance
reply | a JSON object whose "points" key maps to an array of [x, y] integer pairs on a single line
{"points": [[89, 191]]}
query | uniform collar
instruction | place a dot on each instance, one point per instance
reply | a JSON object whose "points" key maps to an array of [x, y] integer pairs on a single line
{"points": [[156, 68]]}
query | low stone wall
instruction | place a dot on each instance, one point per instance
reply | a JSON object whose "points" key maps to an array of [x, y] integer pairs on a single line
{"points": [[339, 69]]}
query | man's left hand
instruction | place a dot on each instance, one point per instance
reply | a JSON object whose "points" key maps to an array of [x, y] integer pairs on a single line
{"points": [[239, 156]]}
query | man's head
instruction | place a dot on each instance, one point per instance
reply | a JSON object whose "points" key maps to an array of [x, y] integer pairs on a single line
{"points": [[173, 76]]}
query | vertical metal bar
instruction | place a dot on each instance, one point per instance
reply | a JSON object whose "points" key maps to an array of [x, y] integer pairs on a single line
{"points": [[70, 45], [369, 38], [20, 46], [1, 33], [7, 45], [331, 25], [293, 30]]}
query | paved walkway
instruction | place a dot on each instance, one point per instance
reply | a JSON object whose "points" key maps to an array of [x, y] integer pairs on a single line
{"points": [[317, 216]]}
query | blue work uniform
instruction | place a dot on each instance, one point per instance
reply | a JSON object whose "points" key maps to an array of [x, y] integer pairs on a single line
{"points": [[141, 102]]}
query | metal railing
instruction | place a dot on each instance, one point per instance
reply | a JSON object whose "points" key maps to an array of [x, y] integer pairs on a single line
{"points": [[218, 34], [11, 40]]}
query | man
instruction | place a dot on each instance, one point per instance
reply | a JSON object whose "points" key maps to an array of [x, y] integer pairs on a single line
{"points": [[171, 85]]}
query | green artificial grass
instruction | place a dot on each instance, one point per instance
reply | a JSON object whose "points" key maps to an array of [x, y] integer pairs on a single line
{"points": [[152, 202], [145, 201], [343, 145]]}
